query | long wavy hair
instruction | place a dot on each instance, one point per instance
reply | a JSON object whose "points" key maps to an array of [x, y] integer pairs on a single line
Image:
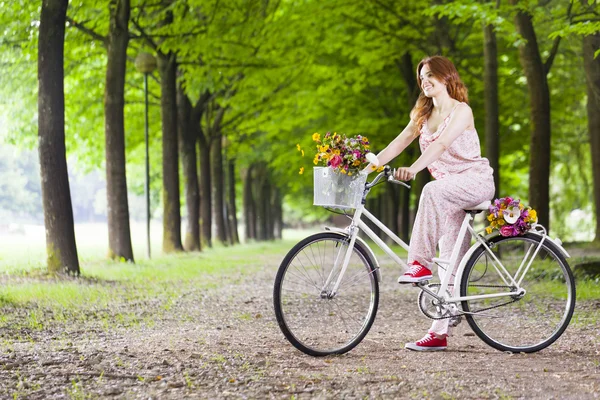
{"points": [[444, 71]]}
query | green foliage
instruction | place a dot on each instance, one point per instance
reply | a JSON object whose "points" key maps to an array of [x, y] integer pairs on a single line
{"points": [[284, 70]]}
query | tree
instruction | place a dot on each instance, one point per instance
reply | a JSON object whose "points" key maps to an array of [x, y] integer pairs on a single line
{"points": [[58, 213], [119, 234], [591, 46], [536, 70]]}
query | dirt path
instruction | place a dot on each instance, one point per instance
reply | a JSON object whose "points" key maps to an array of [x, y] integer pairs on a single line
{"points": [[225, 343]]}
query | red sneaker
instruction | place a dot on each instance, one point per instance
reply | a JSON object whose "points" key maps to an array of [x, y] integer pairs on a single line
{"points": [[416, 273], [429, 343]]}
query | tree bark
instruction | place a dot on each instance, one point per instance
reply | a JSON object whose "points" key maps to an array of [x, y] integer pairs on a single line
{"points": [[231, 208], [205, 190], [591, 44], [119, 233], [278, 214], [56, 197], [187, 150], [409, 74], [218, 181], [171, 216], [537, 83], [249, 206], [490, 83]]}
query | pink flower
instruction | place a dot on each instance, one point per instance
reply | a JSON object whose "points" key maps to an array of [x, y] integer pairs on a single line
{"points": [[508, 230], [335, 161]]}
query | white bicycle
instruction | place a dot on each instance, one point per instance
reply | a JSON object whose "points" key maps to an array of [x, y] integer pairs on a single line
{"points": [[517, 293]]}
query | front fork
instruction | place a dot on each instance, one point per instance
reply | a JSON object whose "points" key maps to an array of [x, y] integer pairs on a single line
{"points": [[340, 264]]}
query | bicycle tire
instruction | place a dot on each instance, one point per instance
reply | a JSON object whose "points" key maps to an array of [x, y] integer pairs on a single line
{"points": [[509, 323], [307, 319]]}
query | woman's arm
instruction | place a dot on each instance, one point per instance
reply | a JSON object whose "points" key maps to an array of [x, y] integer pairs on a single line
{"points": [[458, 123], [396, 146]]}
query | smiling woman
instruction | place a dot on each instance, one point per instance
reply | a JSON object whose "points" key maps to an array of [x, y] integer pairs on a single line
{"points": [[443, 121]]}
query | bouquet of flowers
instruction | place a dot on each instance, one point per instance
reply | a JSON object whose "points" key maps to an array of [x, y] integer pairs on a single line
{"points": [[343, 154], [510, 217]]}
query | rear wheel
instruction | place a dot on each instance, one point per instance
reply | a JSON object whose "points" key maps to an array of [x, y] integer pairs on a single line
{"points": [[527, 321], [315, 320]]}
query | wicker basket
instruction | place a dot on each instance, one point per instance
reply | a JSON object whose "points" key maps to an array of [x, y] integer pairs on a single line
{"points": [[337, 190]]}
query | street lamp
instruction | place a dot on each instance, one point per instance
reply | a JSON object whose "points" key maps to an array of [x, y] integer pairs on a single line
{"points": [[146, 64]]}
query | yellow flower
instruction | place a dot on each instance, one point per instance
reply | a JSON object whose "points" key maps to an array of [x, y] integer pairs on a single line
{"points": [[298, 146], [521, 206], [349, 173], [490, 217], [380, 169], [488, 230], [323, 149], [336, 151], [367, 146], [500, 213], [500, 222], [356, 163], [494, 224], [302, 153], [533, 215], [301, 170], [316, 137], [342, 170], [373, 167], [364, 139], [316, 159]]}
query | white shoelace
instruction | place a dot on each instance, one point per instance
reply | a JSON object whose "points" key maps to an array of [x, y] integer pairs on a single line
{"points": [[414, 269]]}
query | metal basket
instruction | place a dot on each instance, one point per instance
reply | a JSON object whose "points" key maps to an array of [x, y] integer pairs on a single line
{"points": [[337, 190]]}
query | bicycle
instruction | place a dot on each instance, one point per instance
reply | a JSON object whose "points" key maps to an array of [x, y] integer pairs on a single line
{"points": [[516, 293]]}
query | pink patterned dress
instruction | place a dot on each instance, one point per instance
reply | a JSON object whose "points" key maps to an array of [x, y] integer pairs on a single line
{"points": [[462, 179]]}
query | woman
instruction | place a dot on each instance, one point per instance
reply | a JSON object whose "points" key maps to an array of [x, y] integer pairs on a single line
{"points": [[443, 122]]}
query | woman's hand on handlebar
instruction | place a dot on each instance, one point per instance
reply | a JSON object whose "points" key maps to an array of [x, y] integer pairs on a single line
{"points": [[404, 174]]}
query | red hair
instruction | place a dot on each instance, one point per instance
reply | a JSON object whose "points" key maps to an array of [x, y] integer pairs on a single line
{"points": [[444, 71]]}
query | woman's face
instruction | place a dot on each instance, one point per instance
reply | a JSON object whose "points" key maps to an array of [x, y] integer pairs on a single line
{"points": [[430, 85]]}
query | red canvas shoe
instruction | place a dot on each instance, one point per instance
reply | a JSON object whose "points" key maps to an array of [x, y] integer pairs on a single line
{"points": [[429, 343], [416, 273]]}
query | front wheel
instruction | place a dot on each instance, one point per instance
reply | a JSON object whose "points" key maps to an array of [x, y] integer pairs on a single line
{"points": [[315, 320], [540, 309]]}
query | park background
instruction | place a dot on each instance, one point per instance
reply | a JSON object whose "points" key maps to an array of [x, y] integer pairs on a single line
{"points": [[236, 92]]}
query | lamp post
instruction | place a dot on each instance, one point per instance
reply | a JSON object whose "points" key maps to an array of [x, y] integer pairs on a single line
{"points": [[146, 64]]}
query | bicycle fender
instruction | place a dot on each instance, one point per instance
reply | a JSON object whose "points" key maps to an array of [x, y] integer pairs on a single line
{"points": [[364, 245]]}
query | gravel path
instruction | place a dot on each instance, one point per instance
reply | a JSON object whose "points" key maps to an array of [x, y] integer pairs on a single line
{"points": [[225, 343]]}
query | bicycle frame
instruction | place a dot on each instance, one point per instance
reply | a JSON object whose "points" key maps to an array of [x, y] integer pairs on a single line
{"points": [[512, 281]]}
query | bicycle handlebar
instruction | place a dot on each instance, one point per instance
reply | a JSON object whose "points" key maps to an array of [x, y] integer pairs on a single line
{"points": [[387, 172]]}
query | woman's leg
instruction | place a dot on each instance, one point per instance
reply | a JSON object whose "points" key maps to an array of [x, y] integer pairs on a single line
{"points": [[452, 225], [441, 204]]}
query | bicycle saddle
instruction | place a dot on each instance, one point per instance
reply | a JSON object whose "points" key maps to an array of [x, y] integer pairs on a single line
{"points": [[479, 207]]}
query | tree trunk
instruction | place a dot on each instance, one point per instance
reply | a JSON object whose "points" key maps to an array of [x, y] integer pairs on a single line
{"points": [[56, 197], [490, 83], [408, 71], [205, 190], [218, 183], [119, 233], [187, 150], [278, 214], [261, 201], [249, 206], [171, 217], [591, 44], [537, 83], [231, 208]]}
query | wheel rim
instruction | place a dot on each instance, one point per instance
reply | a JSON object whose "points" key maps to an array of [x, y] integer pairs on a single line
{"points": [[319, 322], [529, 322]]}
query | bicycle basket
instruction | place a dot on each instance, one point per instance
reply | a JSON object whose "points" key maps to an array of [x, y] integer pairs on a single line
{"points": [[332, 189]]}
